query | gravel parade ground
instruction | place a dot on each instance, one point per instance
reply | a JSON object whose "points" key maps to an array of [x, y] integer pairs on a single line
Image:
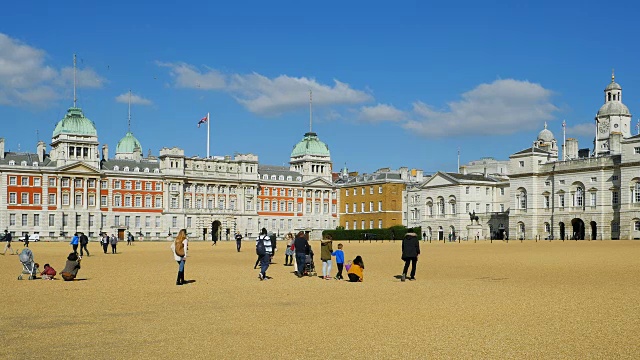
{"points": [[530, 300]]}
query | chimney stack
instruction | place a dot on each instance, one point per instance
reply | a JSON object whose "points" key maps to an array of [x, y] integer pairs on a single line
{"points": [[105, 152], [1, 148], [41, 150]]}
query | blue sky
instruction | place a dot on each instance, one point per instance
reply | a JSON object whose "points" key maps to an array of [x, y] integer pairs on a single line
{"points": [[394, 84]]}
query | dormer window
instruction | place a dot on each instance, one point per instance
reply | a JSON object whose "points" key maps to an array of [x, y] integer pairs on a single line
{"points": [[35, 163], [156, 171], [116, 168], [23, 163], [136, 169], [11, 162], [273, 177], [146, 170], [281, 177], [298, 178], [289, 178], [265, 177], [126, 168]]}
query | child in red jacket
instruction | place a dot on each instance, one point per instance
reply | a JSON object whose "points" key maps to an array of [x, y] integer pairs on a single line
{"points": [[49, 273]]}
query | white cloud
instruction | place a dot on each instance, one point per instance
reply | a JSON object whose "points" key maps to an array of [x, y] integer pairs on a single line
{"points": [[188, 76], [135, 99], [267, 96], [584, 129], [25, 79], [502, 107], [381, 112]]}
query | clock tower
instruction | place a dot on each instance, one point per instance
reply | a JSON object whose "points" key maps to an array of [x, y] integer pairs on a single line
{"points": [[613, 119]]}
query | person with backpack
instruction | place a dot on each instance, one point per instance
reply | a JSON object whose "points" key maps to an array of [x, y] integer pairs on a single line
{"points": [[84, 241], [263, 250], [179, 248]]}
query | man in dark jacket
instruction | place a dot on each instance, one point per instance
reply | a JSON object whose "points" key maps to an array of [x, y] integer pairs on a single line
{"points": [[301, 246], [410, 253], [84, 241]]}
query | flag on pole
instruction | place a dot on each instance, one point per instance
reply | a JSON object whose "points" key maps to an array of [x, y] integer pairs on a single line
{"points": [[564, 123], [203, 120]]}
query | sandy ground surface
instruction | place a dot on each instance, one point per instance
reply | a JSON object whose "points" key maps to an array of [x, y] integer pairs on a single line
{"points": [[553, 300]]}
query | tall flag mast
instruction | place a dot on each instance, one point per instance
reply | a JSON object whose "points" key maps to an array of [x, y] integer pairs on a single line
{"points": [[310, 110], [129, 121], [75, 99]]}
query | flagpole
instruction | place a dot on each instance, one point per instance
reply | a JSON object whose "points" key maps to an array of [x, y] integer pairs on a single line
{"points": [[208, 135]]}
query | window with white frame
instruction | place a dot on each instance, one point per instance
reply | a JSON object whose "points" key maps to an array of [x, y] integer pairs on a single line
{"points": [[25, 198], [547, 202], [103, 200], [52, 220], [24, 220], [25, 181], [12, 219], [466, 190], [636, 226], [593, 199], [13, 180], [78, 199], [13, 198], [380, 189], [91, 200], [636, 150], [561, 200], [37, 181], [547, 227], [52, 181], [487, 208], [52, 199], [501, 207], [636, 197], [117, 201], [615, 197], [65, 199], [521, 199], [441, 206], [127, 201]]}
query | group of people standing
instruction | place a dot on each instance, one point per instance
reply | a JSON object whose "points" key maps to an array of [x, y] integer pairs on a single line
{"points": [[106, 240]]}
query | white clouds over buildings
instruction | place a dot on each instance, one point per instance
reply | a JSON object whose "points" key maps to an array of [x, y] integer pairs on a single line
{"points": [[135, 99], [26, 80]]}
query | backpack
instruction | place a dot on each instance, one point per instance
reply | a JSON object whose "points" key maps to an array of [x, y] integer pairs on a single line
{"points": [[260, 248]]}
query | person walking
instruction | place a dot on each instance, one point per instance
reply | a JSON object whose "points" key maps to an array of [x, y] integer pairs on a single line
{"points": [[410, 253], [326, 248], [288, 253], [238, 238], [179, 248], [84, 241], [264, 250], [7, 246], [114, 243], [129, 239], [74, 242], [105, 242], [26, 240], [339, 254], [300, 244]]}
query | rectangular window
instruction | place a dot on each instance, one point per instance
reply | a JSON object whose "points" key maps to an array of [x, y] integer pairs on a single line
{"points": [[52, 199], [379, 223], [25, 198], [77, 183], [91, 183], [370, 206], [52, 181], [12, 219], [138, 185], [370, 224], [158, 186], [355, 191], [521, 163], [346, 192], [334, 208], [379, 205], [36, 199], [147, 186], [487, 208], [116, 220], [371, 190], [636, 150], [561, 200], [593, 199], [36, 219], [289, 223], [546, 202], [65, 182], [547, 183], [355, 225], [362, 224], [562, 182], [127, 221], [362, 190], [91, 200], [103, 220], [127, 185], [486, 192], [103, 200], [466, 190], [380, 189], [13, 198], [52, 220], [25, 181], [12, 180], [355, 207], [157, 221], [614, 178], [103, 184], [137, 221], [138, 201], [36, 181], [467, 207], [174, 221], [501, 207], [614, 197], [361, 207], [593, 179], [91, 220], [346, 208], [78, 200], [24, 219], [65, 199]]}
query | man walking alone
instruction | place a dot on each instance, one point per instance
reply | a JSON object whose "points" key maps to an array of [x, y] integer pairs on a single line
{"points": [[410, 253]]}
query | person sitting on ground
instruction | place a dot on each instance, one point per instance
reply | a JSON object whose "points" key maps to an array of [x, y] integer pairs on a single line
{"points": [[71, 268], [356, 272], [49, 273]]}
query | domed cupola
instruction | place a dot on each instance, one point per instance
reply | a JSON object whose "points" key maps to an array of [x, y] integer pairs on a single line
{"points": [[127, 146], [74, 123], [613, 119], [545, 135], [310, 145]]}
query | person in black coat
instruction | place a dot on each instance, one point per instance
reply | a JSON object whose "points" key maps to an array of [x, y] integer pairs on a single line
{"points": [[410, 253], [301, 247]]}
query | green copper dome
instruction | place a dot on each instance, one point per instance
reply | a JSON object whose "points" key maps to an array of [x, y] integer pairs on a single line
{"points": [[127, 144], [75, 123], [310, 145]]}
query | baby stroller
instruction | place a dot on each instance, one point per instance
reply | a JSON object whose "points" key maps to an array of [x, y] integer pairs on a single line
{"points": [[309, 265], [29, 267]]}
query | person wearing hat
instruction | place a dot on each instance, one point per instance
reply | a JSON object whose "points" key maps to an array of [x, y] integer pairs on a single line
{"points": [[71, 267]]}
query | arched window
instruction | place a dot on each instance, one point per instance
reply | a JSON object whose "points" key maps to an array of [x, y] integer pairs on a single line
{"points": [[441, 206], [636, 197], [609, 96], [521, 199], [116, 168], [126, 168]]}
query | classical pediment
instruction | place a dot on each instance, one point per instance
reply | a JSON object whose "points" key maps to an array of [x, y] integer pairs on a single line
{"points": [[317, 182], [79, 168], [440, 179]]}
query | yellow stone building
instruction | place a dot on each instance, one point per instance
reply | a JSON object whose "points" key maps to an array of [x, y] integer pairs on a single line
{"points": [[374, 201]]}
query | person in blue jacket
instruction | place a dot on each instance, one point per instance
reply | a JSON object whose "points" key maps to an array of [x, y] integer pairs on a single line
{"points": [[339, 254], [74, 242]]}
